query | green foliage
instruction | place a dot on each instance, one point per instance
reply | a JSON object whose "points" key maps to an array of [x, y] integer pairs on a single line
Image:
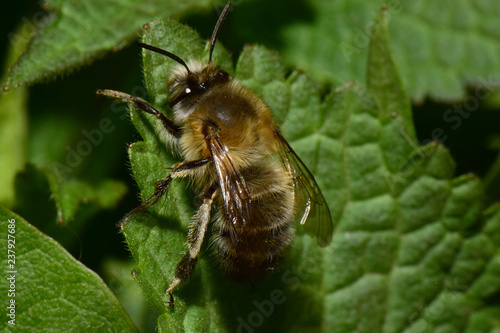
{"points": [[415, 249], [13, 127], [63, 41], [68, 195], [436, 47], [53, 291], [406, 235]]}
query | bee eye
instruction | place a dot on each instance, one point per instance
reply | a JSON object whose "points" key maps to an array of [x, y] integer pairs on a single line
{"points": [[223, 75], [177, 94]]}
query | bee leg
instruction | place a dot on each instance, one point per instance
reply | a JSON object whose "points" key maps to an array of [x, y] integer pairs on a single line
{"points": [[197, 230], [161, 187], [141, 104], [179, 170]]}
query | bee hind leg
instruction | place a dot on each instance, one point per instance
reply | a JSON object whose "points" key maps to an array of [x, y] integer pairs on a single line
{"points": [[197, 230]]}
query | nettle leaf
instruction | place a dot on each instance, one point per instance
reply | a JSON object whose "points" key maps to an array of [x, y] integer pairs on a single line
{"points": [[53, 291], [440, 47], [405, 255], [414, 249], [67, 34]]}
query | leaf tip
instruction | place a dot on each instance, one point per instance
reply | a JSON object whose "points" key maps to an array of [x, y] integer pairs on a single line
{"points": [[121, 225]]}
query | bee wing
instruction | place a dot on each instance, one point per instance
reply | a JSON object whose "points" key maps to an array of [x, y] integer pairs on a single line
{"points": [[236, 197], [310, 204]]}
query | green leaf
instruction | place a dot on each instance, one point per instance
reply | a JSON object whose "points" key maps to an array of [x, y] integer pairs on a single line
{"points": [[414, 249], [13, 132], [439, 47], [69, 33], [410, 250], [53, 291], [385, 86]]}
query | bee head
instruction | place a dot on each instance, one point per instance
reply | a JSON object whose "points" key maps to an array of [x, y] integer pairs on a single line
{"points": [[186, 86], [189, 82]]}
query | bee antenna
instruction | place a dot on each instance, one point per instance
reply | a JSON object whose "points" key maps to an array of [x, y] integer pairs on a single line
{"points": [[221, 19], [166, 53]]}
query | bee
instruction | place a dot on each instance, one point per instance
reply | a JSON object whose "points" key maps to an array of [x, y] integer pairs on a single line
{"points": [[242, 167]]}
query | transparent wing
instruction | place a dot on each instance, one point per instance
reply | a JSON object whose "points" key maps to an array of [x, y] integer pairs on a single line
{"points": [[310, 204], [236, 197]]}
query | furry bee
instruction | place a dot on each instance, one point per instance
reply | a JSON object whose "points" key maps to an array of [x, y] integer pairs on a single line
{"points": [[242, 166]]}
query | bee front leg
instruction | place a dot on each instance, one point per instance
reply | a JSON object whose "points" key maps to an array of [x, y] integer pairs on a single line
{"points": [[197, 230], [141, 104]]}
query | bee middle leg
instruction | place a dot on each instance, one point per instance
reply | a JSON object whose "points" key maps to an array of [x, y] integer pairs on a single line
{"points": [[197, 230], [179, 170]]}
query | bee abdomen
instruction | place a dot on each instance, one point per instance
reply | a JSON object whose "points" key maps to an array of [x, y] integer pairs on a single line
{"points": [[256, 249], [255, 255]]}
